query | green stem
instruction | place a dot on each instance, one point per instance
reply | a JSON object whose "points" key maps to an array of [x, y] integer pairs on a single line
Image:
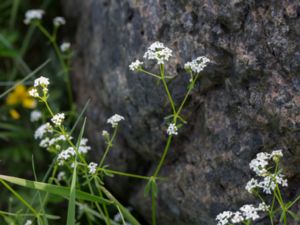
{"points": [[150, 74], [105, 208], [163, 157], [52, 40], [153, 201], [162, 73], [108, 147]]}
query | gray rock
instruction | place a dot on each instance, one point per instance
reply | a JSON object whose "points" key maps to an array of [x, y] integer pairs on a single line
{"points": [[247, 101]]}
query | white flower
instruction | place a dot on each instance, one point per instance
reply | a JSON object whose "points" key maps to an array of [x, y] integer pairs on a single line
{"points": [[58, 21], [115, 119], [41, 81], [61, 176], [33, 14], [65, 155], [34, 93], [276, 154], [158, 52], [45, 143], [65, 46], [35, 115], [58, 119], [258, 165], [263, 207], [197, 65], [252, 184], [28, 222], [134, 66], [249, 212], [237, 217], [42, 130], [92, 167], [224, 217], [105, 134], [172, 129]]}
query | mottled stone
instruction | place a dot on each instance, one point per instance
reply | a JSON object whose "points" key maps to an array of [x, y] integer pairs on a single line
{"points": [[247, 100]]}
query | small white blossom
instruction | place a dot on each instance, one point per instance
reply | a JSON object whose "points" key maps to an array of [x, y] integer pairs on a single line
{"points": [[249, 212], [34, 93], [28, 222], [59, 21], [92, 167], [105, 133], [197, 65], [45, 143], [134, 66], [224, 217], [33, 14], [258, 165], [172, 129], [41, 81], [58, 119], [115, 119], [276, 154], [35, 115], [263, 207], [61, 176], [65, 155], [42, 130], [158, 52], [65, 46], [252, 184], [237, 217]]}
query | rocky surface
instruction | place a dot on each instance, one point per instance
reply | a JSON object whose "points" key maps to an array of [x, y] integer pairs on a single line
{"points": [[247, 101]]}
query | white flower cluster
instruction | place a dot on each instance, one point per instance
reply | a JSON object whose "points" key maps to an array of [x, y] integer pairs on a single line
{"points": [[135, 66], [115, 119], [65, 155], [157, 51], [28, 222], [172, 129], [42, 82], [35, 116], [92, 168], [42, 130], [246, 212], [269, 180], [59, 21], [33, 14], [197, 65], [58, 119], [70, 151], [83, 147], [64, 47]]}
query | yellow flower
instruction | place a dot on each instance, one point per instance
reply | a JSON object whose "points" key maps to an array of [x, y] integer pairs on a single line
{"points": [[19, 96], [14, 114]]}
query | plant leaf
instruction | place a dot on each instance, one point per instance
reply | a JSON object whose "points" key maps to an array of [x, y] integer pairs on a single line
{"points": [[53, 189]]}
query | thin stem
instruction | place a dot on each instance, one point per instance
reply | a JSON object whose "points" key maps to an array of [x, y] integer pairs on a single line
{"points": [[105, 208], [121, 214], [52, 40], [153, 206], [162, 73], [126, 174], [150, 74], [162, 159], [108, 147]]}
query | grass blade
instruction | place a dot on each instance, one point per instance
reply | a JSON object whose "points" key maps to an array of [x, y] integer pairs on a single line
{"points": [[53, 189], [71, 206], [25, 78]]}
